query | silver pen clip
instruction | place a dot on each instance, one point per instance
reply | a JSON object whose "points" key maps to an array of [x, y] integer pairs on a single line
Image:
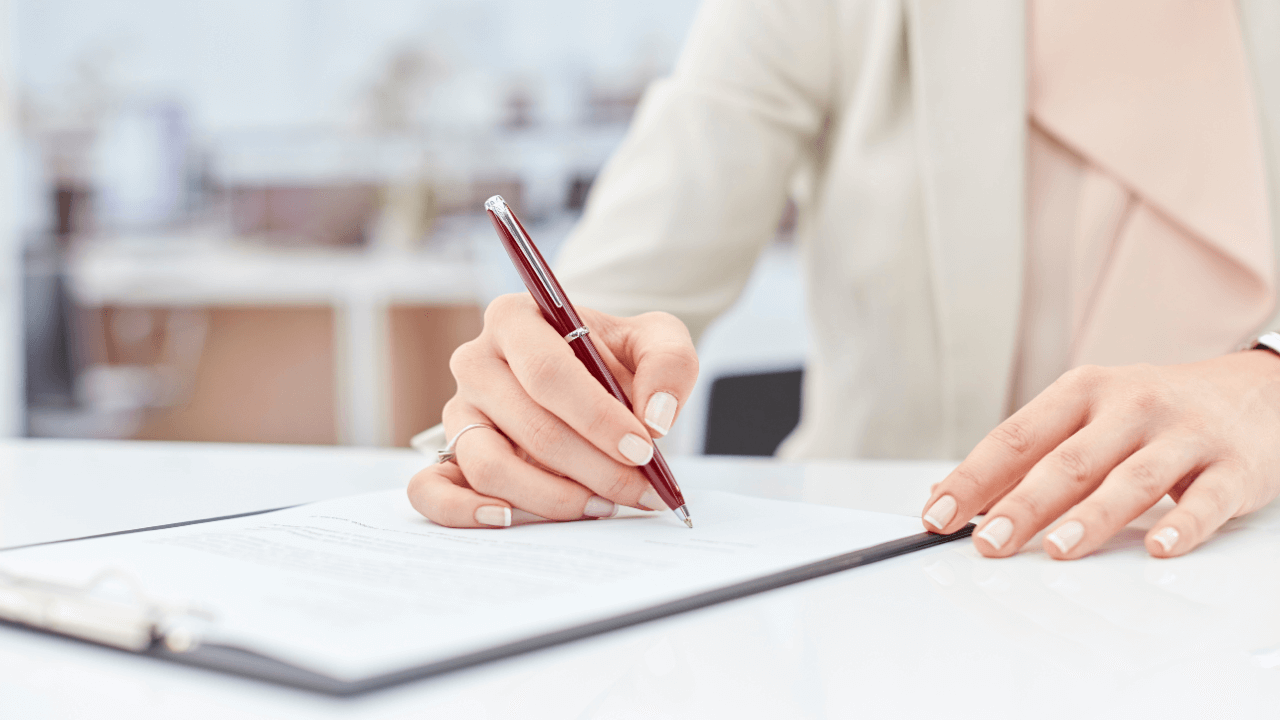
{"points": [[499, 207]]}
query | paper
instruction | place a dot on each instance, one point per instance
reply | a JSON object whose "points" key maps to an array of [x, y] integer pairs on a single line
{"points": [[361, 586]]}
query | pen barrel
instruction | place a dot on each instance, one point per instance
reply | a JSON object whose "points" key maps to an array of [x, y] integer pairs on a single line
{"points": [[659, 475], [656, 471], [560, 314]]}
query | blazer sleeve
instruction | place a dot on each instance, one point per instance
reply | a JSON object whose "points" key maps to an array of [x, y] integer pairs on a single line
{"points": [[679, 214]]}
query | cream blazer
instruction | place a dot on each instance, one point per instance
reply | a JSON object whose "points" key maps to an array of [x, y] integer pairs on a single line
{"points": [[899, 129]]}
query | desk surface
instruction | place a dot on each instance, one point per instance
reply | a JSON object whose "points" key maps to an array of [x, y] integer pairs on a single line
{"points": [[942, 631]]}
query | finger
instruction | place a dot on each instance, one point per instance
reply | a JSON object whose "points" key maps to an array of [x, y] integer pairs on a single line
{"points": [[550, 442], [443, 497], [1010, 451], [660, 351], [547, 369], [1212, 499], [1128, 491], [1062, 478], [1003, 493], [492, 467]]}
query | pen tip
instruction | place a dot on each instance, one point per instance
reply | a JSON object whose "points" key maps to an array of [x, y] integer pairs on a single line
{"points": [[682, 512]]}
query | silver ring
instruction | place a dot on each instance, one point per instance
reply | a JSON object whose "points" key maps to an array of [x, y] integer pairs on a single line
{"points": [[450, 453], [580, 332]]}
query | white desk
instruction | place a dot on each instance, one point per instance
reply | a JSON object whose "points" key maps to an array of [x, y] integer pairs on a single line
{"points": [[941, 632]]}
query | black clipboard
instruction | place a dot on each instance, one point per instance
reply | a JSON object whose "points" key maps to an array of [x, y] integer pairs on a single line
{"points": [[257, 666]]}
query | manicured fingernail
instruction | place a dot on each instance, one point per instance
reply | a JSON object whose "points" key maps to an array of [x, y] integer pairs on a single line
{"points": [[493, 515], [1066, 536], [635, 449], [598, 507], [660, 412], [941, 512], [1167, 537], [997, 532], [651, 500]]}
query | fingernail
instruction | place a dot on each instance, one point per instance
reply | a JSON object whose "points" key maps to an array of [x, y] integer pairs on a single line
{"points": [[660, 412], [997, 532], [1167, 537], [941, 512], [651, 500], [635, 449], [598, 507], [493, 515], [1066, 536]]}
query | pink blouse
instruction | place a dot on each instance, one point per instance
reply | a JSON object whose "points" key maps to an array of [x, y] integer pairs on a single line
{"points": [[1148, 229]]}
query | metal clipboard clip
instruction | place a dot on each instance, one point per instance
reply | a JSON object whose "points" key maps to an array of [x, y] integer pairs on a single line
{"points": [[99, 612]]}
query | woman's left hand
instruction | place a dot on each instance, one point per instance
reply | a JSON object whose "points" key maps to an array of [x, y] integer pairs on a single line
{"points": [[1102, 445]]}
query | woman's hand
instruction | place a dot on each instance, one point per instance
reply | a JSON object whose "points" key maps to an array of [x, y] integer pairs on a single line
{"points": [[570, 450], [1102, 445]]}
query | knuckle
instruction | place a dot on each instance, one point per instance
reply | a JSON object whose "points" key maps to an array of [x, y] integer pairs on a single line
{"points": [[667, 322], [1194, 525], [1014, 435], [681, 361], [1197, 443], [1097, 515], [964, 481], [1220, 500], [505, 309], [452, 407], [421, 480], [1148, 400], [501, 307], [1021, 505], [604, 413], [1146, 478], [563, 502], [1072, 464], [1085, 376], [543, 374], [544, 437], [464, 359], [482, 472], [617, 485]]}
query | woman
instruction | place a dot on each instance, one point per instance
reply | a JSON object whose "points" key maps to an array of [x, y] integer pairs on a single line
{"points": [[991, 195]]}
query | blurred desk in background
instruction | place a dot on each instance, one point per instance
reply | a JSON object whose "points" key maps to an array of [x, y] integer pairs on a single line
{"points": [[312, 345], [1116, 635]]}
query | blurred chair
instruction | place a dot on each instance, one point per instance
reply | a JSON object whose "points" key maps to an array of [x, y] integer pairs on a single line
{"points": [[751, 360], [752, 414]]}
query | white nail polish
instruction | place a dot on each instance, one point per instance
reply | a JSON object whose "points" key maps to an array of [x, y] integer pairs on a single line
{"points": [[1167, 537], [651, 500], [598, 507], [997, 532], [636, 449], [941, 512], [660, 412], [1066, 536], [493, 515]]}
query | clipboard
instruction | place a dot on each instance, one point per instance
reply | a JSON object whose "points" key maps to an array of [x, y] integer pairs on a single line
{"points": [[163, 633]]}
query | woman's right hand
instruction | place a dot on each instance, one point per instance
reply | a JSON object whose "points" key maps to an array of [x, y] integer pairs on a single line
{"points": [[574, 449]]}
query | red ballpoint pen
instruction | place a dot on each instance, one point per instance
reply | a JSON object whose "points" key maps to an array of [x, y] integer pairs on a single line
{"points": [[559, 312]]}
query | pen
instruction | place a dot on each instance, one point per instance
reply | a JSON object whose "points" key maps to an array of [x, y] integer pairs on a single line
{"points": [[559, 312]]}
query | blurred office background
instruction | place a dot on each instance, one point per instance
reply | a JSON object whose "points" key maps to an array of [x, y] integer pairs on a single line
{"points": [[258, 221]]}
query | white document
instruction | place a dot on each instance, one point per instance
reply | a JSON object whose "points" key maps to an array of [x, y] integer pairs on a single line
{"points": [[360, 586]]}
